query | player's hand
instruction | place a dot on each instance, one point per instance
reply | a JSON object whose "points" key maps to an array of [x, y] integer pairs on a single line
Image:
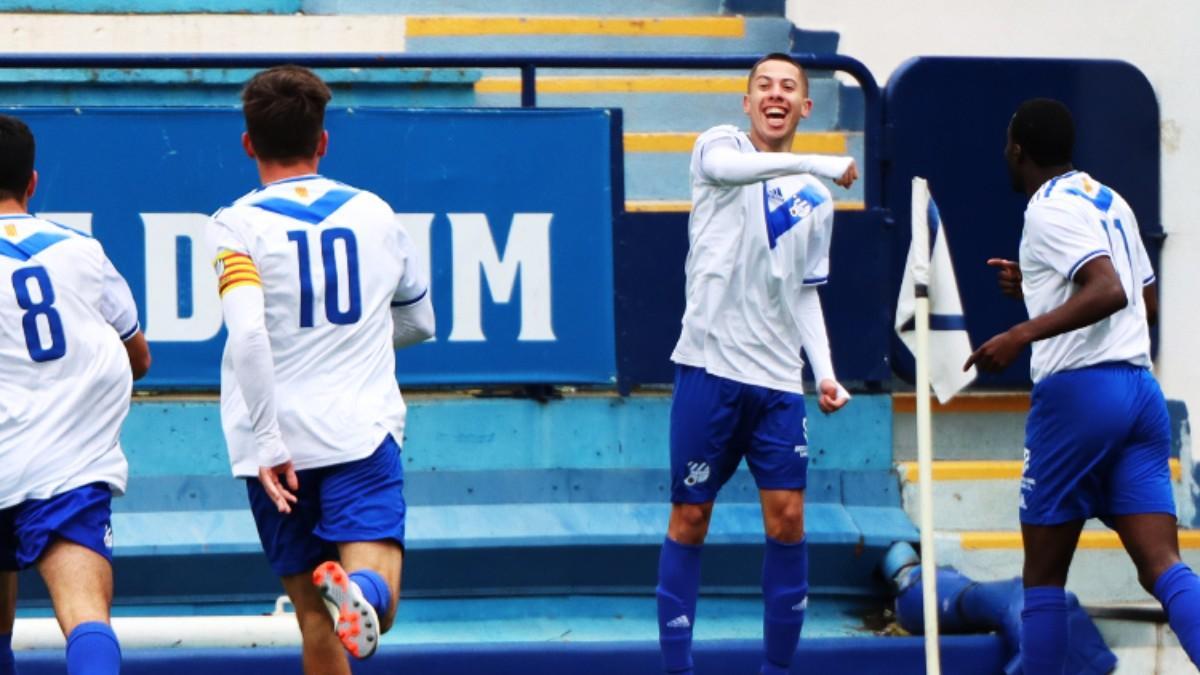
{"points": [[849, 176], [998, 353], [831, 396], [1008, 276], [283, 497]]}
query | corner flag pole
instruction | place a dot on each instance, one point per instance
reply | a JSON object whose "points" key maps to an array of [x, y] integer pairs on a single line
{"points": [[920, 242]]}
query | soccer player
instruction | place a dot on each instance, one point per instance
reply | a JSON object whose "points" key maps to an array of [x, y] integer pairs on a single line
{"points": [[318, 282], [70, 348], [1097, 438], [759, 239]]}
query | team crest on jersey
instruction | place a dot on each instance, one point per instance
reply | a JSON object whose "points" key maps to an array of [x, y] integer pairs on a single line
{"points": [[301, 192]]}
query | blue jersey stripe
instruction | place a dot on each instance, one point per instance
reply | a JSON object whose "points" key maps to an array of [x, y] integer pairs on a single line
{"points": [[31, 245], [789, 214], [1087, 258], [413, 301], [313, 214]]}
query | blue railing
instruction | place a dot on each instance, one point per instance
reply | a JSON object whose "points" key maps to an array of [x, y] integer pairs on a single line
{"points": [[527, 64]]}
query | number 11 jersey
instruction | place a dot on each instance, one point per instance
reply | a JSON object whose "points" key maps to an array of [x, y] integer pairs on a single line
{"points": [[331, 261]]}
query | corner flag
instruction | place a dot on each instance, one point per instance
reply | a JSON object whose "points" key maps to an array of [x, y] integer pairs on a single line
{"points": [[933, 276]]}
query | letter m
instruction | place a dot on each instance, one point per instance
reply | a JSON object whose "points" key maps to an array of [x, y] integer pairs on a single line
{"points": [[527, 252]]}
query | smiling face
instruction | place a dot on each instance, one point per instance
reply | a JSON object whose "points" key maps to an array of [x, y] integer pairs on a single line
{"points": [[776, 101]]}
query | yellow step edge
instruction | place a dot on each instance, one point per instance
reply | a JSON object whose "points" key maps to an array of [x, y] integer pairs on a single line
{"points": [[823, 142], [619, 84], [986, 470], [1089, 539], [697, 26], [969, 403], [683, 206]]}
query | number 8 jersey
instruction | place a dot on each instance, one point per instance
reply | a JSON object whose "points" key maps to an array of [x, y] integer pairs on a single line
{"points": [[64, 310], [331, 261]]}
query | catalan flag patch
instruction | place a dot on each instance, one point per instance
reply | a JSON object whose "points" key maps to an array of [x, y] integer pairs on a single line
{"points": [[235, 269]]}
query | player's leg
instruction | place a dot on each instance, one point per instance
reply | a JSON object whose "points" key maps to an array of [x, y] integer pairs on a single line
{"points": [[69, 539], [1076, 422], [778, 457], [376, 568], [363, 511], [1152, 540], [293, 552], [8, 614], [704, 416], [321, 649], [80, 583], [1143, 514], [1048, 553]]}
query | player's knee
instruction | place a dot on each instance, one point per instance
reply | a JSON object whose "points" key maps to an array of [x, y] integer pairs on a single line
{"points": [[1149, 571], [786, 524], [689, 523]]}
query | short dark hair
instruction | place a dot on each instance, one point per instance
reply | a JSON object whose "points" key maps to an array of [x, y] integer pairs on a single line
{"points": [[16, 157], [284, 109], [779, 56], [1045, 130]]}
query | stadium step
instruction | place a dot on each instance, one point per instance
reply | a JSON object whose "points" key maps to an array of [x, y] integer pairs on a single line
{"points": [[559, 497]]}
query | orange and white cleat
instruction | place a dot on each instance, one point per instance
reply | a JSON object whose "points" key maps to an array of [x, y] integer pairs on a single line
{"points": [[354, 619]]}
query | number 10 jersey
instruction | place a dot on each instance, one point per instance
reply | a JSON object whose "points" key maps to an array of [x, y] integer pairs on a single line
{"points": [[331, 261]]}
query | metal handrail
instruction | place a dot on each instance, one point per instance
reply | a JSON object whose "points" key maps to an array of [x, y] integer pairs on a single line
{"points": [[528, 64]]}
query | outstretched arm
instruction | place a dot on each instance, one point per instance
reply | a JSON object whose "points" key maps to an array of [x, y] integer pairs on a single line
{"points": [[722, 163]]}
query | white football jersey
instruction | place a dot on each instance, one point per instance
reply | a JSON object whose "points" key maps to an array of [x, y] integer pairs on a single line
{"points": [[331, 261], [1070, 221], [751, 250], [64, 310]]}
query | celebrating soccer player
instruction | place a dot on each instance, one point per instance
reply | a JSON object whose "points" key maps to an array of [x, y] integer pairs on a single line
{"points": [[1097, 440], [318, 282], [759, 238], [70, 349]]}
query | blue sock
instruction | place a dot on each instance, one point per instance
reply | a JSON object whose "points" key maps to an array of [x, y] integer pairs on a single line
{"points": [[785, 597], [374, 589], [1178, 589], [8, 663], [92, 649], [1044, 631], [678, 586]]}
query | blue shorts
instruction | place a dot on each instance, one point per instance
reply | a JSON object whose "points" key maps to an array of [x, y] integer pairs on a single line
{"points": [[82, 515], [1097, 444], [356, 501], [715, 421]]}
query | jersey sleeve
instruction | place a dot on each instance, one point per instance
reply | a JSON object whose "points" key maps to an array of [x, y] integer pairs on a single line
{"points": [[231, 254], [414, 282], [1063, 239], [116, 301]]}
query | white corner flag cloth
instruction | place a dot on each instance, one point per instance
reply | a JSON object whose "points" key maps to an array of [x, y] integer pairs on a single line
{"points": [[949, 344]]}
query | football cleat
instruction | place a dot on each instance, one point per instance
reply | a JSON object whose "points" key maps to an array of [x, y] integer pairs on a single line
{"points": [[354, 619]]}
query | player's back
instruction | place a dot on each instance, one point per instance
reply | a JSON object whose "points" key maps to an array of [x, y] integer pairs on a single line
{"points": [[1069, 222], [330, 259], [66, 385]]}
